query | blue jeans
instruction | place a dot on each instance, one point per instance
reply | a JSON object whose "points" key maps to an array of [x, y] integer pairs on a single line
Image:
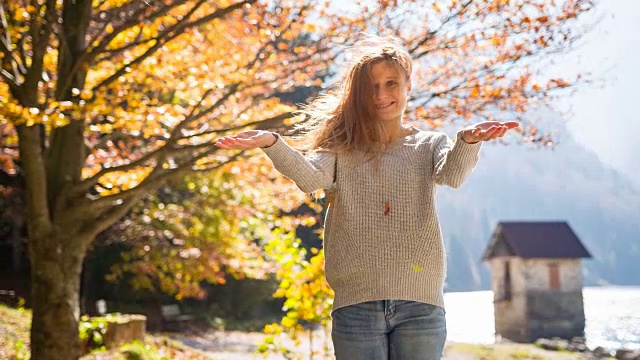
{"points": [[389, 329]]}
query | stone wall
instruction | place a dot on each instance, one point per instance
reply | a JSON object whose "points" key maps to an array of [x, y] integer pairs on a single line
{"points": [[555, 314], [510, 319]]}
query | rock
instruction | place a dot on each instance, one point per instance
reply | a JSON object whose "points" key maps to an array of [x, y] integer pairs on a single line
{"points": [[552, 344], [578, 347], [601, 352], [578, 344], [624, 354]]}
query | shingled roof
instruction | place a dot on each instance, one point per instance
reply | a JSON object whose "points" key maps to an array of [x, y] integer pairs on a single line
{"points": [[535, 240]]}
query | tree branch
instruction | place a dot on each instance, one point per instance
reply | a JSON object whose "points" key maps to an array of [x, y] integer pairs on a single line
{"points": [[150, 182], [431, 34], [9, 56], [193, 116], [163, 151], [10, 80], [109, 217], [115, 52], [169, 35], [34, 74], [88, 183], [131, 197], [261, 125]]}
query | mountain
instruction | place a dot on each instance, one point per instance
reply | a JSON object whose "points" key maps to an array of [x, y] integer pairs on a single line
{"points": [[565, 183]]}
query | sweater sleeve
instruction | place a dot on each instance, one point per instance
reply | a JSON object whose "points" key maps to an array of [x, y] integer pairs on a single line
{"points": [[452, 163], [309, 173]]}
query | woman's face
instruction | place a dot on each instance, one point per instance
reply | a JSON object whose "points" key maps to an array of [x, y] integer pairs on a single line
{"points": [[390, 90]]}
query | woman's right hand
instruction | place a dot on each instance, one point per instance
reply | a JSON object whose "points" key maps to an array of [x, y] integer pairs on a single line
{"points": [[246, 140]]}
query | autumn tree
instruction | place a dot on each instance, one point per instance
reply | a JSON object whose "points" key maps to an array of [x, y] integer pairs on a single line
{"points": [[104, 101]]}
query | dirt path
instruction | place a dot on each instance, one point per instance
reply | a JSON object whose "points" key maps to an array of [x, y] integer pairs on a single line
{"points": [[236, 345]]}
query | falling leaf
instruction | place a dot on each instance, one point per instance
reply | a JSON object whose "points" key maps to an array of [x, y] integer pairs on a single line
{"points": [[330, 196]]}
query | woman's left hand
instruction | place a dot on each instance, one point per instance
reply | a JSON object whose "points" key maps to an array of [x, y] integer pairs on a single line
{"points": [[487, 130]]}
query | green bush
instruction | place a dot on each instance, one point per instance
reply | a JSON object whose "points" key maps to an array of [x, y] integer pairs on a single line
{"points": [[92, 332], [138, 351]]}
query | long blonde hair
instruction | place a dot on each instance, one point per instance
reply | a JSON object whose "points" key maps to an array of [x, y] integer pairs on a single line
{"points": [[342, 120]]}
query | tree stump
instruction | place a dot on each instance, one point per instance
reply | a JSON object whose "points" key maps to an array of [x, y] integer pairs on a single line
{"points": [[125, 329]]}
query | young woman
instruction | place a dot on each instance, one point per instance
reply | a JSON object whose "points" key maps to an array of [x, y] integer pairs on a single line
{"points": [[384, 254]]}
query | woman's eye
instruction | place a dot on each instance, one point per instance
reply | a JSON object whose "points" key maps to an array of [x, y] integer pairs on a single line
{"points": [[391, 83]]}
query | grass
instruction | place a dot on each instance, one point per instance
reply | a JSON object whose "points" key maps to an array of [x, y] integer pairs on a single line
{"points": [[14, 333], [153, 348]]}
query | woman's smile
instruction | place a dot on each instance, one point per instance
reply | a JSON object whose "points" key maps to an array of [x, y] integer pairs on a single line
{"points": [[384, 106]]}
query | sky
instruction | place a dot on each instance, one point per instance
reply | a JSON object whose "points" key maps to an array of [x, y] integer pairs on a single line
{"points": [[606, 118]]}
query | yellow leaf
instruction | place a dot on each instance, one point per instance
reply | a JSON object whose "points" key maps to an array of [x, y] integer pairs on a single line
{"points": [[21, 16], [288, 322]]}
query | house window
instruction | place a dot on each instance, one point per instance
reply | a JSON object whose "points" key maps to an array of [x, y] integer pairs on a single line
{"points": [[507, 281], [554, 277]]}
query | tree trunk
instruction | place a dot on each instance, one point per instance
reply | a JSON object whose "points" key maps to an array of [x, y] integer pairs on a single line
{"points": [[55, 292]]}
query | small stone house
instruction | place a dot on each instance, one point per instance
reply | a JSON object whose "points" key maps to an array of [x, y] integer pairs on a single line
{"points": [[536, 277]]}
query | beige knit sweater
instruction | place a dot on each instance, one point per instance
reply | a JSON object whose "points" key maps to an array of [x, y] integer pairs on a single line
{"points": [[382, 238]]}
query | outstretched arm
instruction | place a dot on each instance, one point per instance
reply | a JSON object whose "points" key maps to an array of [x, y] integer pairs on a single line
{"points": [[309, 173], [454, 162]]}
